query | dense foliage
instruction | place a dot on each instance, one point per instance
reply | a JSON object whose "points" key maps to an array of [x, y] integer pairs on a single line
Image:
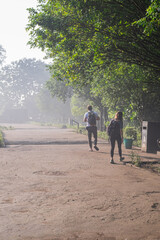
{"points": [[110, 46]]}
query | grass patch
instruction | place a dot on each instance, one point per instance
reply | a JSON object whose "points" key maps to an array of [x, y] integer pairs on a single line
{"points": [[6, 128], [136, 160], [103, 135], [2, 144], [152, 166]]}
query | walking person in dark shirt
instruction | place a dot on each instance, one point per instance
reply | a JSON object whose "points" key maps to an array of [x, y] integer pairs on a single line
{"points": [[91, 117], [115, 131]]}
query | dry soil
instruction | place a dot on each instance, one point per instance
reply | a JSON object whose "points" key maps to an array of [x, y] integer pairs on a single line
{"points": [[53, 188]]}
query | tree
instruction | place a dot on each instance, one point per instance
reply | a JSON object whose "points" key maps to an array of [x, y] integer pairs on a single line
{"points": [[150, 22], [21, 80], [51, 108], [101, 30], [59, 89], [128, 89], [86, 38]]}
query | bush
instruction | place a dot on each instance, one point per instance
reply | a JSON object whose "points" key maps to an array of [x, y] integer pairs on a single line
{"points": [[1, 140], [136, 160], [103, 135], [131, 133]]}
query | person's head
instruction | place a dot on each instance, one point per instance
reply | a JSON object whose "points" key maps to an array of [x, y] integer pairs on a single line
{"points": [[119, 116], [89, 108]]}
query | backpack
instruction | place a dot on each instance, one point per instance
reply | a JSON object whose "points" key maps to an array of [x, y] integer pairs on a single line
{"points": [[91, 118], [113, 128]]}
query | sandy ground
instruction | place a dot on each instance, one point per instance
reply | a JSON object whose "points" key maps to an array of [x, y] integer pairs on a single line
{"points": [[52, 188]]}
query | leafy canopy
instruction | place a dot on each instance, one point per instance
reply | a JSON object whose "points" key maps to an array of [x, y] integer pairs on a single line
{"points": [[99, 31]]}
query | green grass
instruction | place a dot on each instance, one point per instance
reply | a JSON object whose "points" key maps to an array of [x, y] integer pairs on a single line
{"points": [[2, 143], [1, 139], [136, 160], [103, 135]]}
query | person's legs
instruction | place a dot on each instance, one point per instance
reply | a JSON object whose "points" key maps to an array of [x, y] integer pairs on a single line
{"points": [[112, 141], [94, 130], [120, 148], [89, 137]]}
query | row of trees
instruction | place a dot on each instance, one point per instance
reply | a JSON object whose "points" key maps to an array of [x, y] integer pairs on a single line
{"points": [[106, 51], [23, 93]]}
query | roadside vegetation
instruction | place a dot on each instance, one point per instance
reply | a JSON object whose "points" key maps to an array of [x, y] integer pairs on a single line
{"points": [[2, 144], [137, 161]]}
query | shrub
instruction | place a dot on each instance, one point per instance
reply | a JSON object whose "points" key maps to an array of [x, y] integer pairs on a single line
{"points": [[136, 160], [103, 135], [1, 139], [130, 132]]}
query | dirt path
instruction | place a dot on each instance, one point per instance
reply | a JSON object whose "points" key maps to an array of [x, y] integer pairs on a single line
{"points": [[60, 191]]}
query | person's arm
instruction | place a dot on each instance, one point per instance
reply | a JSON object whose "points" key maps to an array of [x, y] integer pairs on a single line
{"points": [[85, 118]]}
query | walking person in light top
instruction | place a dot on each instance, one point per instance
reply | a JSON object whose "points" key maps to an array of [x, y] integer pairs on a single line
{"points": [[91, 117]]}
